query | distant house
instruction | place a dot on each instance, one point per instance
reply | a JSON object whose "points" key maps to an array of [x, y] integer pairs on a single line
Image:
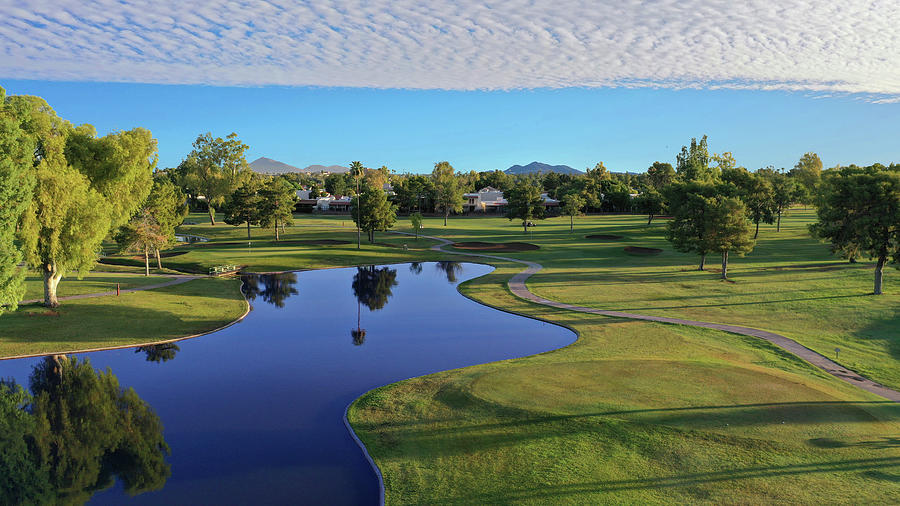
{"points": [[487, 199], [490, 200]]}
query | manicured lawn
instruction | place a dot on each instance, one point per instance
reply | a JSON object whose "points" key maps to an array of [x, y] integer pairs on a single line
{"points": [[133, 318], [633, 412], [94, 282]]}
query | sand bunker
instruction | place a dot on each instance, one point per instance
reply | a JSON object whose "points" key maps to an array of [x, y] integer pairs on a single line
{"points": [[641, 251]]}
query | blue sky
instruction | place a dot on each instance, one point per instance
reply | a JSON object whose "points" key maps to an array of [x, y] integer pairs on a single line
{"points": [[409, 130], [482, 84]]}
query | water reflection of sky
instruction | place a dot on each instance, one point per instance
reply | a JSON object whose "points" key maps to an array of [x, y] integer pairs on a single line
{"points": [[253, 413]]}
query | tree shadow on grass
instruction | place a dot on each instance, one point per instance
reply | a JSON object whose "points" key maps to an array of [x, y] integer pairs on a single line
{"points": [[874, 467], [456, 436]]}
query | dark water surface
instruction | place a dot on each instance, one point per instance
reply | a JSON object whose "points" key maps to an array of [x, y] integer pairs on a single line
{"points": [[253, 414]]}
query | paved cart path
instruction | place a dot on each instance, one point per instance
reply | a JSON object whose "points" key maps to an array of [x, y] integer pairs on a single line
{"points": [[517, 287]]}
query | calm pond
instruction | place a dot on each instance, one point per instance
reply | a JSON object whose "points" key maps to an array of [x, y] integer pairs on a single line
{"points": [[253, 413]]}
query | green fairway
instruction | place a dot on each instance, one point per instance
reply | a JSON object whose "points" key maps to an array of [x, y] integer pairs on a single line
{"points": [[139, 317], [633, 412], [94, 282]]}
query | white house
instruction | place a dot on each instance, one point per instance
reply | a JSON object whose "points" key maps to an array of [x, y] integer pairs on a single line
{"points": [[490, 199]]}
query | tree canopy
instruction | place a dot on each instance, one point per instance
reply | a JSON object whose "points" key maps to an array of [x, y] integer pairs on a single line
{"points": [[859, 212], [524, 203], [216, 167], [447, 195]]}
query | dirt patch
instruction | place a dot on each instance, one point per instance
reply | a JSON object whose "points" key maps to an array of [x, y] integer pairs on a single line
{"points": [[496, 246], [604, 237], [641, 251]]}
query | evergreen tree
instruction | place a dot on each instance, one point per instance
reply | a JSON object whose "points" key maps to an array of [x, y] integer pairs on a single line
{"points": [[243, 206], [859, 212], [277, 205], [572, 204]]}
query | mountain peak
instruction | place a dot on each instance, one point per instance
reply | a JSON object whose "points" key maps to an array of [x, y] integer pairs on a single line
{"points": [[535, 167]]}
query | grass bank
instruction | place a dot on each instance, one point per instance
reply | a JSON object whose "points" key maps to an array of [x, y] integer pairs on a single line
{"points": [[132, 318], [633, 412]]}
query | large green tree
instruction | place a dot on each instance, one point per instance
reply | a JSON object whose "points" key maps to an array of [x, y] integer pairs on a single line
{"points": [[84, 186], [652, 202], [808, 172], [277, 200], [859, 211], [660, 175], [243, 205], [371, 211], [167, 205], [759, 197], [524, 203], [17, 181], [447, 195], [689, 206], [726, 228], [784, 192], [216, 167]]}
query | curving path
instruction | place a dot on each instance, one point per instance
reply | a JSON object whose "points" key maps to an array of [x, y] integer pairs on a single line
{"points": [[518, 288], [179, 279]]}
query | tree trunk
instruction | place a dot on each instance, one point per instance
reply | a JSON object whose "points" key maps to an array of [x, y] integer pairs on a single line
{"points": [[879, 273], [212, 215], [702, 261], [571, 223], [725, 264], [525, 226], [371, 236], [778, 227], [649, 220], [248, 230], [51, 281], [757, 231], [277, 237], [158, 261], [146, 261], [446, 214]]}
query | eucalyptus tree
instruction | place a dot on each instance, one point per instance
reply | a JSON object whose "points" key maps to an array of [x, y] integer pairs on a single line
{"points": [[168, 207], [808, 172], [447, 195], [142, 235], [216, 167], [692, 163]]}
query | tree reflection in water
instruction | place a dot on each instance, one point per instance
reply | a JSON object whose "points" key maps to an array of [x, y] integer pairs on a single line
{"points": [[372, 288], [73, 434], [159, 352], [415, 268], [276, 287], [451, 269]]}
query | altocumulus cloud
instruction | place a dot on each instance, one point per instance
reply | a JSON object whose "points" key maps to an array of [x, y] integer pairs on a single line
{"points": [[825, 46]]}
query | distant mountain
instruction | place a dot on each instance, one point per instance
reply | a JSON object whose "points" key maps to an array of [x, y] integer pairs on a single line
{"points": [[535, 167], [334, 169], [268, 166]]}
